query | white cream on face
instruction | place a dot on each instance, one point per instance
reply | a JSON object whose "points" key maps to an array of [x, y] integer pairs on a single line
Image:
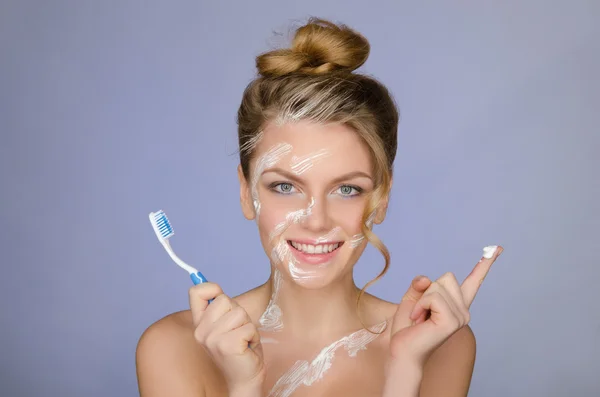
{"points": [[268, 160], [357, 239], [271, 319], [292, 218], [299, 165], [330, 236], [305, 373], [282, 252]]}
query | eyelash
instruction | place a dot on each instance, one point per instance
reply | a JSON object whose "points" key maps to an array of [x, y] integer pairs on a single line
{"points": [[276, 185]]}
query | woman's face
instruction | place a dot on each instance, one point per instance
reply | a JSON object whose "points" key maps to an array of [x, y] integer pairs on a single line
{"points": [[307, 193]]}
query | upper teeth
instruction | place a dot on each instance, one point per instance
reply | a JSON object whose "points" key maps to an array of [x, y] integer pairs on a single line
{"points": [[315, 249]]}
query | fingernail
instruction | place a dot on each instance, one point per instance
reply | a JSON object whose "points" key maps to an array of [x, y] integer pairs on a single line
{"points": [[488, 252]]}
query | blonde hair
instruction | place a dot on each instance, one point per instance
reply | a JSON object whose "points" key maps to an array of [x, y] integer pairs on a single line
{"points": [[314, 80]]}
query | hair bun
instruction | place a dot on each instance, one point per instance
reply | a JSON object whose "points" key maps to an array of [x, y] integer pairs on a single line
{"points": [[318, 47]]}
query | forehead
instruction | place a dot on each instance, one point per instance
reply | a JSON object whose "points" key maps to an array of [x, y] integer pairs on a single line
{"points": [[342, 145]]}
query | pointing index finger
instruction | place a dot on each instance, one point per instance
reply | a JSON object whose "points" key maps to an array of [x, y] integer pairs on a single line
{"points": [[473, 281]]}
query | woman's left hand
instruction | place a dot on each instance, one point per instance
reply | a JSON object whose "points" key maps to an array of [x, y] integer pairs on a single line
{"points": [[431, 312]]}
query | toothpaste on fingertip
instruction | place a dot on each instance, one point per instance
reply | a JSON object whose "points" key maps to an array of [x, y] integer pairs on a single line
{"points": [[489, 251]]}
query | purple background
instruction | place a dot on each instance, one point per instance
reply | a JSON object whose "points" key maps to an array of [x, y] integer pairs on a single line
{"points": [[112, 109]]}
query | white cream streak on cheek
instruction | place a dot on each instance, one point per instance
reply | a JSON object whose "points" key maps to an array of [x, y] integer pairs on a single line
{"points": [[271, 319], [357, 239], [291, 218], [266, 161], [282, 253], [302, 164], [305, 373]]}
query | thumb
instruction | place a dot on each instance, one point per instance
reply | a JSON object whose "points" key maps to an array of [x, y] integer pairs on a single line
{"points": [[416, 290]]}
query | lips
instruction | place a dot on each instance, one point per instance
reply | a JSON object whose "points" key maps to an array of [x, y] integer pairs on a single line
{"points": [[314, 253]]}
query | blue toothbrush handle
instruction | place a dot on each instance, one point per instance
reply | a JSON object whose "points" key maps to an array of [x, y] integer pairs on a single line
{"points": [[198, 278]]}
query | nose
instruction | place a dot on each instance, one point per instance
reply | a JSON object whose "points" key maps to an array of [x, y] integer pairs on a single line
{"points": [[318, 218]]}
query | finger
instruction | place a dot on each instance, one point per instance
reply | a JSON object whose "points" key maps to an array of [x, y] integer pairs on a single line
{"points": [[436, 288], [450, 284], [199, 296], [220, 306], [415, 291], [205, 328], [473, 282], [240, 340], [441, 311], [231, 320]]}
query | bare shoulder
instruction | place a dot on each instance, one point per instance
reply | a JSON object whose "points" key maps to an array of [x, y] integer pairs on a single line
{"points": [[254, 302], [449, 370], [459, 348], [377, 309], [170, 362]]}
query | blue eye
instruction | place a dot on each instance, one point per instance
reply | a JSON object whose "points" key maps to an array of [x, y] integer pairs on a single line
{"points": [[349, 191], [283, 188]]}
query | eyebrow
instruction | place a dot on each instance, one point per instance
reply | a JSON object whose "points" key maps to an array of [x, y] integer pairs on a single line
{"points": [[295, 178]]}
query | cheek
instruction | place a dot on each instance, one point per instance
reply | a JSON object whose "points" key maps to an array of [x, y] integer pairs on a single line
{"points": [[274, 211], [347, 213]]}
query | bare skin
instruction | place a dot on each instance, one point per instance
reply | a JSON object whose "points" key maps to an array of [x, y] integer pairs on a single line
{"points": [[170, 361], [318, 303]]}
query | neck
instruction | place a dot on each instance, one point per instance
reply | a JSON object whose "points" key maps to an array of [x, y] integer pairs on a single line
{"points": [[313, 313]]}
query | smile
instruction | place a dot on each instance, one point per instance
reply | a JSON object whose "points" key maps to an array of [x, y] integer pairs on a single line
{"points": [[315, 249]]}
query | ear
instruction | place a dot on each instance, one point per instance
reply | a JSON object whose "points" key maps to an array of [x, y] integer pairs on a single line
{"points": [[381, 211], [245, 196]]}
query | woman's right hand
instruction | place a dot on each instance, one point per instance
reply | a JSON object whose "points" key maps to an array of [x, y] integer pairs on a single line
{"points": [[227, 333]]}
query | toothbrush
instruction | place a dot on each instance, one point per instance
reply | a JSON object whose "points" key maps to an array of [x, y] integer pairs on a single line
{"points": [[163, 229]]}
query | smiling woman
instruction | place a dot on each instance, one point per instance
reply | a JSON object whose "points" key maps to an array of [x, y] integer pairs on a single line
{"points": [[317, 147], [307, 217]]}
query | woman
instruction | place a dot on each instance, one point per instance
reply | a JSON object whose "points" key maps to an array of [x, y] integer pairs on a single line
{"points": [[317, 145]]}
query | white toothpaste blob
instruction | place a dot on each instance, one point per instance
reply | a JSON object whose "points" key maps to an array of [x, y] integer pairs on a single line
{"points": [[299, 165], [268, 160], [488, 252], [305, 373]]}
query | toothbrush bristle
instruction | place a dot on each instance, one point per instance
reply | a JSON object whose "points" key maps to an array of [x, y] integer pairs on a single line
{"points": [[163, 226]]}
